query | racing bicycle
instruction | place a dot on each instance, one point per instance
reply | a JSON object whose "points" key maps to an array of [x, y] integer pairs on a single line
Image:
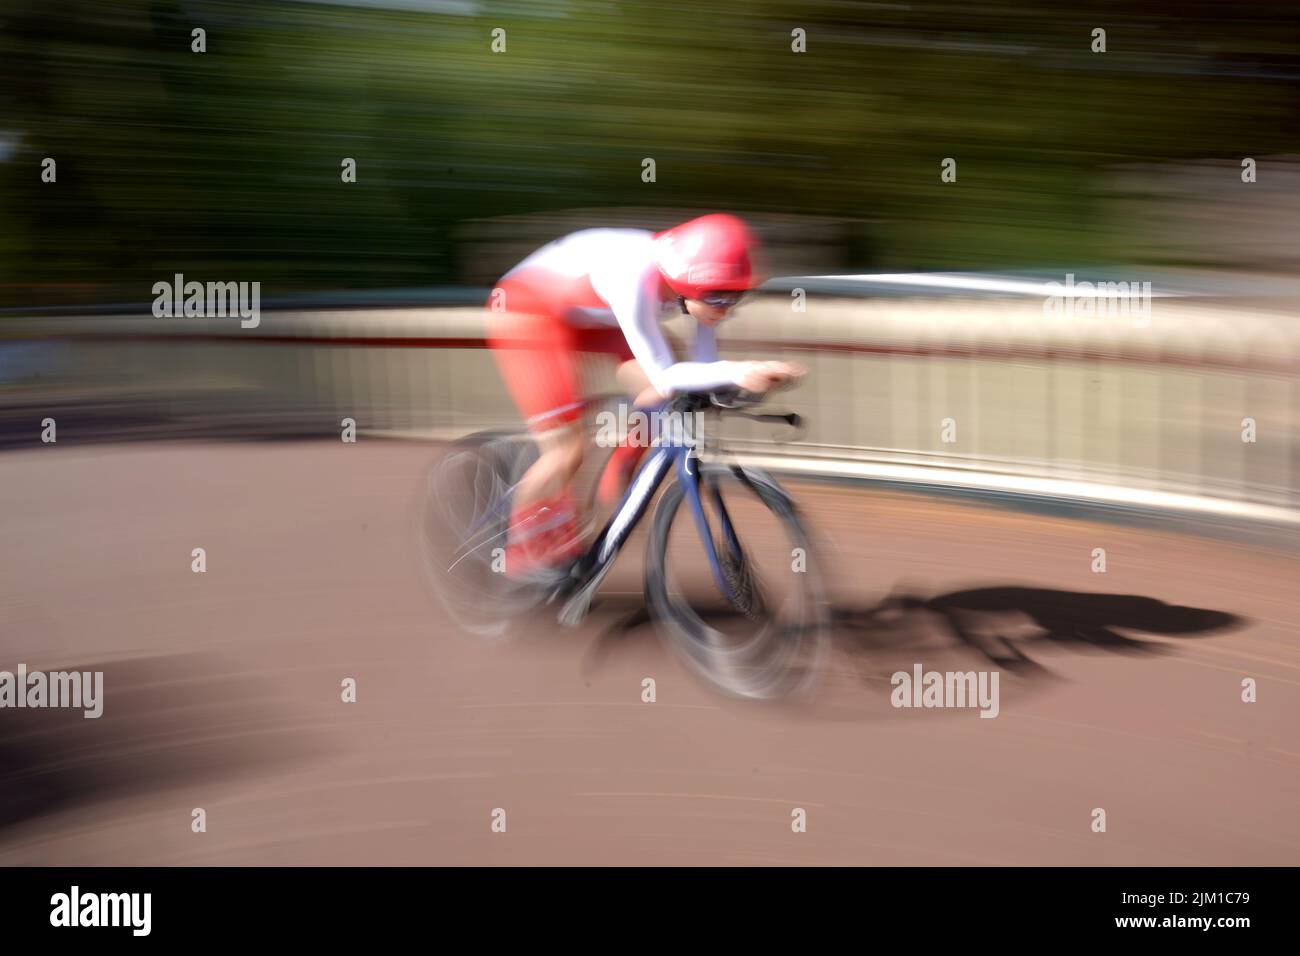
{"points": [[754, 624]]}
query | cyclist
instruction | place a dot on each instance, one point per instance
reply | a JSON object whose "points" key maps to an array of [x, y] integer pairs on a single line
{"points": [[606, 291]]}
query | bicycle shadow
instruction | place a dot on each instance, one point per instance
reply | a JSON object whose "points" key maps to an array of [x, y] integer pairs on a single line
{"points": [[628, 619], [1005, 623], [1002, 624]]}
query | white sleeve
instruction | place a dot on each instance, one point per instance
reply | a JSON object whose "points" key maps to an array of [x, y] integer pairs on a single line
{"points": [[634, 299]]}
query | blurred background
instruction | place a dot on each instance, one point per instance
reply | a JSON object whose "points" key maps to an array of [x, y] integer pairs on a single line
{"points": [[228, 162], [1170, 437], [482, 129]]}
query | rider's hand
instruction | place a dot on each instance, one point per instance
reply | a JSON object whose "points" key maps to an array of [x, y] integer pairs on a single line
{"points": [[764, 376]]}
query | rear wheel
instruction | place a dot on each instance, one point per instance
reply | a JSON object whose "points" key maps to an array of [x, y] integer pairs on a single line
{"points": [[463, 524], [768, 637]]}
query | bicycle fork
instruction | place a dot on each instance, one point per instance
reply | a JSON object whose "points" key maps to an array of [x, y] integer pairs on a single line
{"points": [[691, 478]]}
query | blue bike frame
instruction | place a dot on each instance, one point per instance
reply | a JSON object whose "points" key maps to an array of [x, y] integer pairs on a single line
{"points": [[592, 567]]}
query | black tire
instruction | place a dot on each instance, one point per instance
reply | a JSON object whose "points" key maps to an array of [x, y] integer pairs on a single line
{"points": [[462, 522], [783, 656]]}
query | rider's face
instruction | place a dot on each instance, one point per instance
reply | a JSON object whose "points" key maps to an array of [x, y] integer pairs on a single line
{"points": [[705, 313]]}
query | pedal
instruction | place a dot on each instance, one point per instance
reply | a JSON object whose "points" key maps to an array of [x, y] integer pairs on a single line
{"points": [[575, 609]]}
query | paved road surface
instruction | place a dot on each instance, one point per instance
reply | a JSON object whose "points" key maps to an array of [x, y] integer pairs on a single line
{"points": [[223, 688]]}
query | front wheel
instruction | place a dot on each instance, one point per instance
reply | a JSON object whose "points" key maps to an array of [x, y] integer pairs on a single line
{"points": [[766, 634]]}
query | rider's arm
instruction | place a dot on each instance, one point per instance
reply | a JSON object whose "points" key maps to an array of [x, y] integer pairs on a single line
{"points": [[705, 346], [635, 303]]}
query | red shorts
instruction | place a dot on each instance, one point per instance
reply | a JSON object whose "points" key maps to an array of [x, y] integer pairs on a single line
{"points": [[538, 350]]}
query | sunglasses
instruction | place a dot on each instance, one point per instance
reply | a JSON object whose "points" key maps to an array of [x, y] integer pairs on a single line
{"points": [[723, 300]]}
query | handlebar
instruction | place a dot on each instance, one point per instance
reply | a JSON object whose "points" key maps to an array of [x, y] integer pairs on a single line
{"points": [[731, 398], [733, 401], [722, 399]]}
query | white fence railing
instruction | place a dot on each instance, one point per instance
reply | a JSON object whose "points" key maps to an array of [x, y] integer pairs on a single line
{"points": [[1192, 398]]}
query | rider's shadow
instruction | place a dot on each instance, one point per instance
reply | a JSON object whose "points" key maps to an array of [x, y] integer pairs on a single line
{"points": [[1003, 623]]}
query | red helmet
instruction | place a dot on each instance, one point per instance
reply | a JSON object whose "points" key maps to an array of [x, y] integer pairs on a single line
{"points": [[708, 254]]}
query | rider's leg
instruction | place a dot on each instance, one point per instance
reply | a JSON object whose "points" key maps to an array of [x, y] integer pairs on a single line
{"points": [[562, 449], [632, 380], [537, 355], [545, 528]]}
